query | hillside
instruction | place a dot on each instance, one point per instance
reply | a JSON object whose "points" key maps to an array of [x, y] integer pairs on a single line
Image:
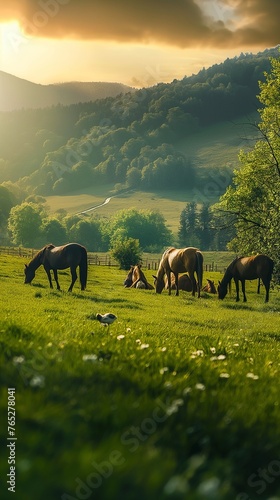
{"points": [[173, 136], [216, 146], [17, 93]]}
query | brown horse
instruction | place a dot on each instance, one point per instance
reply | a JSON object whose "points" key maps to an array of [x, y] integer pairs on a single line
{"points": [[247, 268], [137, 279], [54, 258], [184, 282], [177, 261], [210, 287]]}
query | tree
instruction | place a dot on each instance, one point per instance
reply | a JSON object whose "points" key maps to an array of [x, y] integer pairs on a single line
{"points": [[191, 222], [182, 231], [205, 230], [252, 202], [88, 233], [126, 251], [147, 226], [25, 223], [53, 231]]}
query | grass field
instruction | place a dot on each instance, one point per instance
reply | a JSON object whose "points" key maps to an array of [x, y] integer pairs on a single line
{"points": [[169, 203], [178, 399]]}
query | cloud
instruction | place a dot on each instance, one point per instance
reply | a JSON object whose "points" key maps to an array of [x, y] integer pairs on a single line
{"points": [[181, 23]]}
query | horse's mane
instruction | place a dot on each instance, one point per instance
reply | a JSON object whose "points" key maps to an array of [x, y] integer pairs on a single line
{"points": [[39, 254], [229, 271]]}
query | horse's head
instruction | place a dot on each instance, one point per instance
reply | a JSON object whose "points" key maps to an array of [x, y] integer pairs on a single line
{"points": [[212, 288], [222, 290], [128, 280], [29, 274], [159, 284]]}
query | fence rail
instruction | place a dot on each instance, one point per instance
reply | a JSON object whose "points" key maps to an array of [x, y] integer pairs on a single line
{"points": [[102, 259]]}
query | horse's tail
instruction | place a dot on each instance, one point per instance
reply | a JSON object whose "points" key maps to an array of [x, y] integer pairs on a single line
{"points": [[271, 268], [83, 269], [199, 270]]}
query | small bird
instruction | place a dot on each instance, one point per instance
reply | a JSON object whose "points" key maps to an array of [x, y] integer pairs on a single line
{"points": [[106, 319]]}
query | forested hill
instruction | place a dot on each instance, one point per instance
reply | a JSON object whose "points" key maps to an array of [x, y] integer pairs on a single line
{"points": [[130, 140]]}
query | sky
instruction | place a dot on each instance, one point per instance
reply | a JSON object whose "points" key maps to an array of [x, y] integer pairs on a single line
{"points": [[138, 43]]}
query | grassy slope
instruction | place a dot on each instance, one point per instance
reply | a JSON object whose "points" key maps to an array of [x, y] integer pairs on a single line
{"points": [[152, 414], [212, 147]]}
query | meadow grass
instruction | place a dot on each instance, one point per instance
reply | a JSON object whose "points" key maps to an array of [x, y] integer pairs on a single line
{"points": [[179, 398], [169, 203]]}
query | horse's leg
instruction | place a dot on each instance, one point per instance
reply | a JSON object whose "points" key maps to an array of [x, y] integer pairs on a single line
{"points": [[176, 283], [74, 278], [267, 286], [56, 278], [243, 290], [237, 289], [192, 278], [49, 277], [259, 285], [168, 274]]}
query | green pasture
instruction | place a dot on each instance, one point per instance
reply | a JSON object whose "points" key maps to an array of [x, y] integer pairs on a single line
{"points": [[169, 203], [178, 399]]}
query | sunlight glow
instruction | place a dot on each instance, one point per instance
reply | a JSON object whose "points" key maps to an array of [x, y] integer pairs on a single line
{"points": [[11, 38]]}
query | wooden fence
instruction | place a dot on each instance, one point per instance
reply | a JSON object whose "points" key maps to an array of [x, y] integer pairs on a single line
{"points": [[102, 259]]}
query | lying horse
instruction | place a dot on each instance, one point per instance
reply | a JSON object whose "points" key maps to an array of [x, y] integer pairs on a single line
{"points": [[184, 282], [137, 279], [210, 287], [178, 261], [128, 280], [247, 268], [54, 258]]}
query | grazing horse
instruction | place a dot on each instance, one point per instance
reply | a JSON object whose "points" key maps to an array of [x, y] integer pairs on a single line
{"points": [[177, 261], [137, 279], [54, 258], [210, 287], [247, 268]]}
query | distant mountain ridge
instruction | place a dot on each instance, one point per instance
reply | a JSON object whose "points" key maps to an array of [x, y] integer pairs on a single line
{"points": [[17, 93]]}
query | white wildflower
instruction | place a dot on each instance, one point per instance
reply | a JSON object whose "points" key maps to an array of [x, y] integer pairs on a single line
{"points": [[252, 376], [37, 381], [17, 360], [200, 387], [89, 357]]}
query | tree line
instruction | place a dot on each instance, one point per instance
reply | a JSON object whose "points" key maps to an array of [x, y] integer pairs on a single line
{"points": [[28, 224]]}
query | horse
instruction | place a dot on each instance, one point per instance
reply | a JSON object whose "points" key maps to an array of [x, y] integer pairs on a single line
{"points": [[137, 277], [184, 282], [210, 287], [247, 268], [128, 280], [53, 258], [177, 261]]}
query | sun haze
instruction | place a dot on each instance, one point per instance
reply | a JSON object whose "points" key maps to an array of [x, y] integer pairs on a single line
{"points": [[127, 41]]}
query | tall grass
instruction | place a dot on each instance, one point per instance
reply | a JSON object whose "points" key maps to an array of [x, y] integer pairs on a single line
{"points": [[179, 398]]}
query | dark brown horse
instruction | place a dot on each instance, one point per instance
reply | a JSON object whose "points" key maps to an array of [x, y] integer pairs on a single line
{"points": [[177, 261], [54, 258], [247, 268], [137, 279]]}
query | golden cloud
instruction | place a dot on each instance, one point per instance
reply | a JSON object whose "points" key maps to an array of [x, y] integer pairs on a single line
{"points": [[182, 23]]}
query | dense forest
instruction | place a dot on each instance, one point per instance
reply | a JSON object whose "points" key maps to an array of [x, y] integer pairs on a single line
{"points": [[130, 140]]}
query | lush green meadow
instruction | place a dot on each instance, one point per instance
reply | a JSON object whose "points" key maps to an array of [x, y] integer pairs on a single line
{"points": [[178, 399]]}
